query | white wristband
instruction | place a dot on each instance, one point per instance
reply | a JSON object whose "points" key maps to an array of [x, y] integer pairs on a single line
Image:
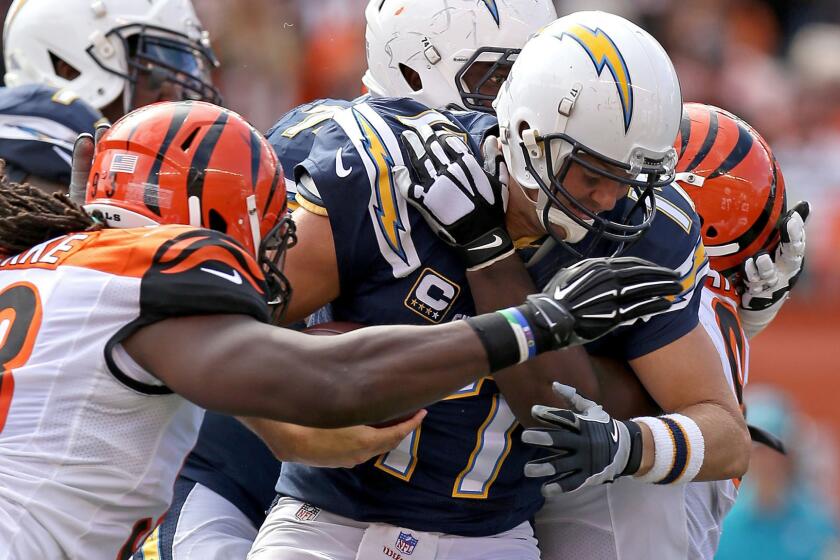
{"points": [[695, 448], [678, 449], [663, 449]]}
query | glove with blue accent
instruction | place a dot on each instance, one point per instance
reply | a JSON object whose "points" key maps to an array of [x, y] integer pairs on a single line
{"points": [[584, 446], [594, 296], [769, 280], [463, 204]]}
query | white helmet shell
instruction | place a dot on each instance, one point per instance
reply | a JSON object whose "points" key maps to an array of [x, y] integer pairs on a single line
{"points": [[436, 38], [80, 32], [604, 83]]}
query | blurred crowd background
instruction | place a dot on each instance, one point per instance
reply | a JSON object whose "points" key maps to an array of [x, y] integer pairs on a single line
{"points": [[775, 63]]}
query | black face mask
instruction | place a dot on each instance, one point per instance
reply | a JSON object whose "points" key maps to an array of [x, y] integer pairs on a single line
{"points": [[271, 257], [157, 56], [471, 95], [621, 232]]}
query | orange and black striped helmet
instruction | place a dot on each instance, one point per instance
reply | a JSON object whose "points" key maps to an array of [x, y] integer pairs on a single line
{"points": [[198, 164], [730, 173]]}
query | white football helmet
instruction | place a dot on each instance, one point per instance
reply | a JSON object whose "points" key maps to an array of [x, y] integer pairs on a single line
{"points": [[425, 49], [596, 85], [108, 44]]}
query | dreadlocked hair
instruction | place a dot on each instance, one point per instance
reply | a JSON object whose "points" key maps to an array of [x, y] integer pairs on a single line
{"points": [[29, 216]]}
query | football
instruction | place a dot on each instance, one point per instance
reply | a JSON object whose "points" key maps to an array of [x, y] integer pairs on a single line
{"points": [[332, 327]]}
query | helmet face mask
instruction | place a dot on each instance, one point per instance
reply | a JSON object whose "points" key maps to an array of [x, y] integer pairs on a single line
{"points": [[480, 78], [156, 56], [271, 257], [639, 181]]}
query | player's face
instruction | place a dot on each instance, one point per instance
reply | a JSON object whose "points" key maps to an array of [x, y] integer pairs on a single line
{"points": [[148, 90], [476, 74], [591, 189]]}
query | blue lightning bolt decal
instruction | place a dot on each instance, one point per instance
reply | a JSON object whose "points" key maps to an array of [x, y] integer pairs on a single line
{"points": [[494, 9], [387, 212], [604, 53]]}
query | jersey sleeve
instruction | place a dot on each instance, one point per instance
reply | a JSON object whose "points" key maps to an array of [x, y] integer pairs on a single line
{"points": [[183, 272], [202, 272], [674, 242], [294, 133]]}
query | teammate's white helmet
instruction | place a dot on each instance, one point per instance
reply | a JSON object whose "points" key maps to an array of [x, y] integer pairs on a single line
{"points": [[590, 84], [108, 43], [440, 40]]}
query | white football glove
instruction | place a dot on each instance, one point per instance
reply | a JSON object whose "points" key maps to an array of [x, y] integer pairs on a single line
{"points": [[461, 202], [769, 280], [585, 445]]}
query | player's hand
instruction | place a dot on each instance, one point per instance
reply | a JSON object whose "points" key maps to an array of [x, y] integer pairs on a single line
{"points": [[461, 202], [594, 296], [348, 447], [769, 280], [584, 446], [84, 151]]}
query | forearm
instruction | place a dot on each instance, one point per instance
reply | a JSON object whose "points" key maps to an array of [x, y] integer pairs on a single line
{"points": [[238, 366], [507, 283], [279, 437]]}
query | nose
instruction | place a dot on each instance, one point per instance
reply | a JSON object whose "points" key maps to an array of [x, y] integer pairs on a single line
{"points": [[605, 196]]}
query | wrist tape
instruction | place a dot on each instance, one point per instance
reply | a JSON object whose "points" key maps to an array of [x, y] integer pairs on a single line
{"points": [[679, 449], [509, 336]]}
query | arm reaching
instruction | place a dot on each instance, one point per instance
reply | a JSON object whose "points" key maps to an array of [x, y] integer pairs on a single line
{"points": [[237, 365]]}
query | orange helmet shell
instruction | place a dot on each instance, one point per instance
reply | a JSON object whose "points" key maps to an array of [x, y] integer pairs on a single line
{"points": [[191, 163], [736, 185]]}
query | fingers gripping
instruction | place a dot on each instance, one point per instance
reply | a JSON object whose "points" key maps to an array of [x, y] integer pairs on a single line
{"points": [[83, 153]]}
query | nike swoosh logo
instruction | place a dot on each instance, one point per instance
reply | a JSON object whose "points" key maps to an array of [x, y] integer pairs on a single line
{"points": [[340, 170], [497, 242], [614, 432], [233, 277]]}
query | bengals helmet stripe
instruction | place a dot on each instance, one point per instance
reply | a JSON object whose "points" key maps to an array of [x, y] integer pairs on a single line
{"points": [[738, 153], [152, 196], [734, 181], [685, 132], [711, 127], [255, 158], [201, 159]]}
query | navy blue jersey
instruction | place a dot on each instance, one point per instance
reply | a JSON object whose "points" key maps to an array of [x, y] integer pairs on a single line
{"points": [[672, 241], [38, 126], [461, 472], [296, 132], [233, 462]]}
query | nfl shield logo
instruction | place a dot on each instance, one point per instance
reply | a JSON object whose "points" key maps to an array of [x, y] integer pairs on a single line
{"points": [[406, 543], [307, 512]]}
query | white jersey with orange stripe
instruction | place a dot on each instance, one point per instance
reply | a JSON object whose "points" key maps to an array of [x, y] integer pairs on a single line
{"points": [[719, 316], [90, 443]]}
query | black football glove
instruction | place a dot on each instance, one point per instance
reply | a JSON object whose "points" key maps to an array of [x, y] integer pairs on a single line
{"points": [[463, 204], [584, 445], [594, 296]]}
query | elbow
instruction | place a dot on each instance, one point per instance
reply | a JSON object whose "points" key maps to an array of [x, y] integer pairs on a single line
{"points": [[738, 457], [741, 458]]}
